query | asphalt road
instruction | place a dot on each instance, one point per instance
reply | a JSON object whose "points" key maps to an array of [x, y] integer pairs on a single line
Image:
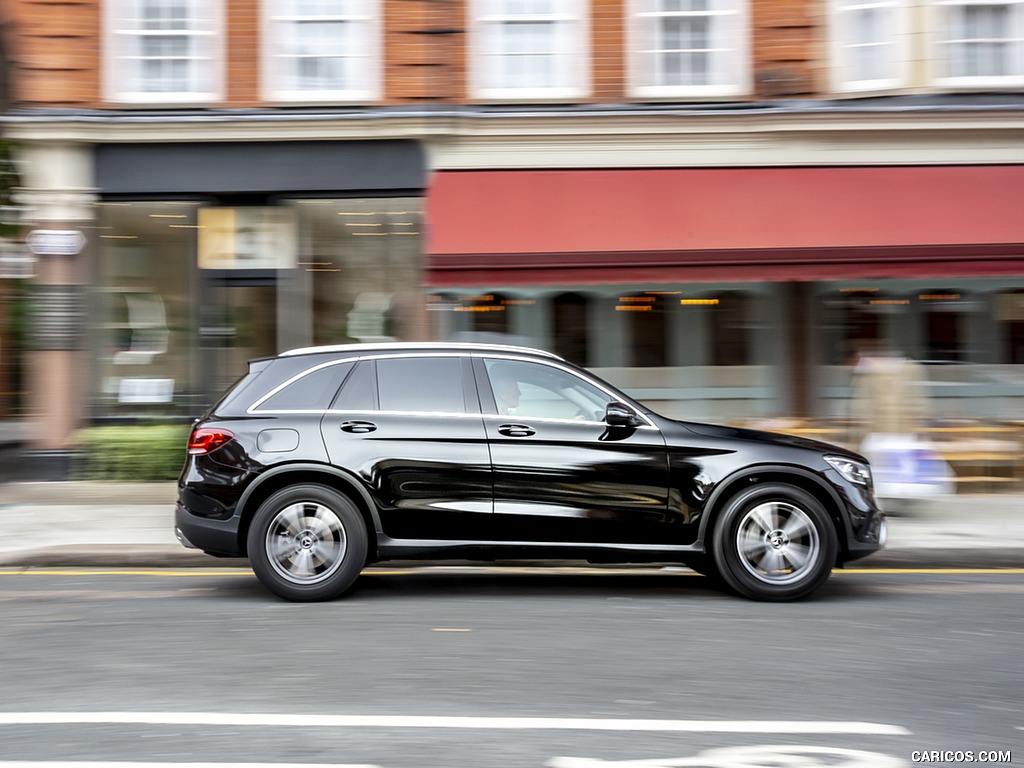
{"points": [[510, 668]]}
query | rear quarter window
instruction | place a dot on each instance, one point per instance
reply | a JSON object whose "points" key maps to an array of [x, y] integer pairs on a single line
{"points": [[312, 391]]}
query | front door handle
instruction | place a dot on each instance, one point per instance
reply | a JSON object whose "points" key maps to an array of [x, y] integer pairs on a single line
{"points": [[358, 427], [516, 430]]}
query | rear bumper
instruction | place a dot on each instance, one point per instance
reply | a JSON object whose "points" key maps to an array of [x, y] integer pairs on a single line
{"points": [[215, 537]]}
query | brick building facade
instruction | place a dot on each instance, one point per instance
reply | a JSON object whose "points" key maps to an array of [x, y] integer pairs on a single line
{"points": [[717, 203]]}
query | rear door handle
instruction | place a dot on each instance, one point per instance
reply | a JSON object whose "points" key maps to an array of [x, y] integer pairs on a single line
{"points": [[516, 430], [358, 427]]}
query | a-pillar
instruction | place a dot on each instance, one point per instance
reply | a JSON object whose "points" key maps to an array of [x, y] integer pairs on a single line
{"points": [[58, 198]]}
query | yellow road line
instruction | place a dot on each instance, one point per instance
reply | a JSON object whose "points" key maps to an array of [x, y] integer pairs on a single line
{"points": [[950, 571]]}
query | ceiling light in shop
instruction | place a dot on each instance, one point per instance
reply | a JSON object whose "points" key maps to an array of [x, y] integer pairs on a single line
{"points": [[699, 302]]}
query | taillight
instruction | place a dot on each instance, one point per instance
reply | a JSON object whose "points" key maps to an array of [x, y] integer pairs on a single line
{"points": [[205, 439]]}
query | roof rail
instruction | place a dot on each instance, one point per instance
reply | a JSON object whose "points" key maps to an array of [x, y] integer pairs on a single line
{"points": [[460, 346]]}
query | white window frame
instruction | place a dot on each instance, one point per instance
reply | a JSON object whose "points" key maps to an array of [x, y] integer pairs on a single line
{"points": [[733, 35], [940, 38], [122, 60], [365, 85], [897, 30], [572, 18]]}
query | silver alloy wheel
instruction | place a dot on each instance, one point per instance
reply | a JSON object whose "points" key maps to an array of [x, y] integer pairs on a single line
{"points": [[306, 543], [778, 543]]}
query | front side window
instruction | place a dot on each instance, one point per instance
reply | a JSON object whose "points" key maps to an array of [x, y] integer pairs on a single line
{"points": [[535, 390], [321, 49], [689, 48], [163, 51], [529, 49], [421, 384], [980, 43], [870, 42]]}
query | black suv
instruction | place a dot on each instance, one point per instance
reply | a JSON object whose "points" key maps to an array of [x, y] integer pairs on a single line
{"points": [[322, 460]]}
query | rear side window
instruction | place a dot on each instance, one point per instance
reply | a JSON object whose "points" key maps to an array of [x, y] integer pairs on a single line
{"points": [[312, 391], [425, 384]]}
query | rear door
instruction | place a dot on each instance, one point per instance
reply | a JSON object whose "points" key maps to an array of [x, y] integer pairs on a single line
{"points": [[410, 427]]}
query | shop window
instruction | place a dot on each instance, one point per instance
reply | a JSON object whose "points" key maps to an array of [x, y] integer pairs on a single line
{"points": [[163, 51], [488, 313], [730, 328], [529, 49], [870, 44], [854, 322], [143, 317], [359, 271], [1010, 313], [980, 43], [571, 328], [322, 49], [646, 316], [682, 48], [943, 312]]}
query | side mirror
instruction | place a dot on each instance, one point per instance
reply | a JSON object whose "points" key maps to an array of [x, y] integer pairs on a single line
{"points": [[621, 415]]}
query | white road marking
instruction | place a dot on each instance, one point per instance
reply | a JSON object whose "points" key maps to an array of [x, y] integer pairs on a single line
{"points": [[429, 721], [120, 764]]}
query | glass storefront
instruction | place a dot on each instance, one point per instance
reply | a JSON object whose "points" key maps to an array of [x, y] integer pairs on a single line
{"points": [[187, 292]]}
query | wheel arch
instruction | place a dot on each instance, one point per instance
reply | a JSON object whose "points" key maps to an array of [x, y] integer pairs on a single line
{"points": [[776, 473], [283, 476]]}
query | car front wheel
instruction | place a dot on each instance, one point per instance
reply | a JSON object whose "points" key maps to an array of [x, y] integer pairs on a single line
{"points": [[775, 542], [307, 543]]}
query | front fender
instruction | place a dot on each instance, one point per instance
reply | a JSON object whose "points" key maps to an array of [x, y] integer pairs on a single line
{"points": [[799, 476]]}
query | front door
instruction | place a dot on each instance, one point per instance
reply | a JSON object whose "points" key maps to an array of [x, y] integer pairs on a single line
{"points": [[561, 474]]}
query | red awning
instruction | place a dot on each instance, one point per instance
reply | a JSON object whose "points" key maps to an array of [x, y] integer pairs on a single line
{"points": [[666, 225]]}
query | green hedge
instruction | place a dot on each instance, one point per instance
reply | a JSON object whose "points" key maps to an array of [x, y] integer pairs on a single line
{"points": [[130, 453]]}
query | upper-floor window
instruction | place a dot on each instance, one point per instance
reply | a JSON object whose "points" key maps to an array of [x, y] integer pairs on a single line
{"points": [[870, 44], [163, 51], [689, 48], [529, 49], [979, 42], [319, 50]]}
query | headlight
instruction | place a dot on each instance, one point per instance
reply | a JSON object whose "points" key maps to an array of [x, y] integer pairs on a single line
{"points": [[857, 472]]}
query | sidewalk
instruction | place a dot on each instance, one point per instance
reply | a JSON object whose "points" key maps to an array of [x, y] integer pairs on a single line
{"points": [[132, 525]]}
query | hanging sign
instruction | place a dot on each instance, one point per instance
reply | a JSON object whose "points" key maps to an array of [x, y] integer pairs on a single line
{"points": [[55, 242]]}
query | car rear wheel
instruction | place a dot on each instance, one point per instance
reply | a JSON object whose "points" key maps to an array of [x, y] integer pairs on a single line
{"points": [[307, 543], [775, 542]]}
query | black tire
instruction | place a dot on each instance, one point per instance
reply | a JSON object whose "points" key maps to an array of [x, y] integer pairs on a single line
{"points": [[775, 542], [307, 543]]}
